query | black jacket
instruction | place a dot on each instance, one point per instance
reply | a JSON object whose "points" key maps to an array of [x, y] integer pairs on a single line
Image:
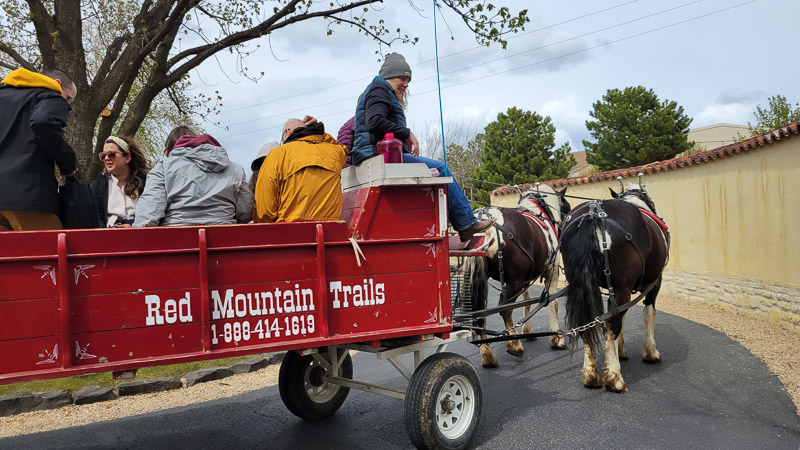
{"points": [[99, 189], [32, 122], [378, 112]]}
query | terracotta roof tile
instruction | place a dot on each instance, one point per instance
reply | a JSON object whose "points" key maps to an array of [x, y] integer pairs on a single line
{"points": [[784, 132]]}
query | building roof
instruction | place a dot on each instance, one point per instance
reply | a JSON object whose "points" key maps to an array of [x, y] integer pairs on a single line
{"points": [[754, 143], [719, 125], [580, 159]]}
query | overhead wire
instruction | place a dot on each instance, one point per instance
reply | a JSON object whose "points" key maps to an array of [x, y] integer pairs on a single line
{"points": [[455, 70], [284, 114], [428, 60]]}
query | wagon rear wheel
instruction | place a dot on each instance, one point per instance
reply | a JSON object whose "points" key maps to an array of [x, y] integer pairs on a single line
{"points": [[443, 403], [304, 391]]}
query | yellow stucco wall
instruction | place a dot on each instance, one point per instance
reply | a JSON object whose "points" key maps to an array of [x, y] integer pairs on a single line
{"points": [[735, 225], [738, 215]]}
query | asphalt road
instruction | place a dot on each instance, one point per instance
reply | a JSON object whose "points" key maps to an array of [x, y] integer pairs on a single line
{"points": [[709, 392]]}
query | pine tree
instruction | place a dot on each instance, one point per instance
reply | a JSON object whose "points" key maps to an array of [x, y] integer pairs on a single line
{"points": [[632, 127], [520, 148]]}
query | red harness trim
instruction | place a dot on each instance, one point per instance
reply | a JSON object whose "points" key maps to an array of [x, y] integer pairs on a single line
{"points": [[540, 221], [655, 218]]}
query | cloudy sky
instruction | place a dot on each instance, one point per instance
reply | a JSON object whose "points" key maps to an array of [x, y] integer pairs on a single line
{"points": [[716, 58]]}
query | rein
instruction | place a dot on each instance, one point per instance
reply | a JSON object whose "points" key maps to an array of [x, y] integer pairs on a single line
{"points": [[599, 320]]}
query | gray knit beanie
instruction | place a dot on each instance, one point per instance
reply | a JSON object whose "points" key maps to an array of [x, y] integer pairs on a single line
{"points": [[395, 66]]}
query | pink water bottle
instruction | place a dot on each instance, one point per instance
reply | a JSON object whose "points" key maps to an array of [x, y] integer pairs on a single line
{"points": [[391, 149]]}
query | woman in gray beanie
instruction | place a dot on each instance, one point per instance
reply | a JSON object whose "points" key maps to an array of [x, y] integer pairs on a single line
{"points": [[380, 111]]}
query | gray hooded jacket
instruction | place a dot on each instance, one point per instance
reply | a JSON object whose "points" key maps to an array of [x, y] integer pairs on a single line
{"points": [[195, 186]]}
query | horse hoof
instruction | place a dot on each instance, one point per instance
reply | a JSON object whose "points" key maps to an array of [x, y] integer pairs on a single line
{"points": [[652, 360], [592, 381], [490, 365], [623, 357], [557, 344], [615, 384], [616, 389], [516, 352]]}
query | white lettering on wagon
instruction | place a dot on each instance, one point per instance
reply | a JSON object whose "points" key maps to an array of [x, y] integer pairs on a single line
{"points": [[170, 312], [369, 293], [261, 303]]}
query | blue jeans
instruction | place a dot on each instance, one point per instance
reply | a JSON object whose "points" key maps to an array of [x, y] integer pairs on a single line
{"points": [[461, 215]]}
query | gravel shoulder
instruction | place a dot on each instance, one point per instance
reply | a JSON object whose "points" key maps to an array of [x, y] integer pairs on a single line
{"points": [[776, 346]]}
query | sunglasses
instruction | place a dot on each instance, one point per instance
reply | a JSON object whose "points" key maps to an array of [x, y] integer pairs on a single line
{"points": [[109, 155]]}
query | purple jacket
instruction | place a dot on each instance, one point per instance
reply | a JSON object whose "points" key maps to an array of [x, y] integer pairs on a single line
{"points": [[345, 137]]}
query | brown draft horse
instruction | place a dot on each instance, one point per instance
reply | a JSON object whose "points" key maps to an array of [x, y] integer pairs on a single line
{"points": [[637, 251], [527, 238]]}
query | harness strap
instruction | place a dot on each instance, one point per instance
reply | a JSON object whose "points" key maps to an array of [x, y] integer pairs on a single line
{"points": [[540, 220], [532, 276], [504, 336], [659, 221], [629, 238], [510, 236]]}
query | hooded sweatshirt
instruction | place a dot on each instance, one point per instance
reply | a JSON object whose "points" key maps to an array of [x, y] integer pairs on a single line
{"points": [[197, 184], [301, 179], [32, 120]]}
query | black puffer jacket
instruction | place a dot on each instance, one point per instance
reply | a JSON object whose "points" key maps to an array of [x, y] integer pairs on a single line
{"points": [[99, 189], [32, 121]]}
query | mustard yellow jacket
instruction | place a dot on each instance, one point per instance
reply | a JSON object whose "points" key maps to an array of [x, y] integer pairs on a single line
{"points": [[301, 181]]}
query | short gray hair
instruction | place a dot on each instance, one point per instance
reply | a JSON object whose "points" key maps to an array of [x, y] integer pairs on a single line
{"points": [[60, 75]]}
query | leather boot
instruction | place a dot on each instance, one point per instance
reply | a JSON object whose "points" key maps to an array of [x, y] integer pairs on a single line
{"points": [[477, 227]]}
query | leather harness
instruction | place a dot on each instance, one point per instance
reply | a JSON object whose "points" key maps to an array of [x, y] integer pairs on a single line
{"points": [[596, 209], [544, 215]]}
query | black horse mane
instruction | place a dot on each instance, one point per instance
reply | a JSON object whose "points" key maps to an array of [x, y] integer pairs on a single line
{"points": [[540, 199]]}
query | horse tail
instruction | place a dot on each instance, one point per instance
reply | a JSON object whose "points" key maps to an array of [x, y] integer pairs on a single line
{"points": [[579, 246], [476, 270]]}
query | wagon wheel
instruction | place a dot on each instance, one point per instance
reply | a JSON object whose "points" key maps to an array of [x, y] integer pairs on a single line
{"points": [[443, 403], [303, 390]]}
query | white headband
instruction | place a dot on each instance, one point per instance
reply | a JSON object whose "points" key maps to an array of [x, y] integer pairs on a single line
{"points": [[120, 143]]}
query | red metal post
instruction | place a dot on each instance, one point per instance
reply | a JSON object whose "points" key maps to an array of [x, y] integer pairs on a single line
{"points": [[323, 282], [63, 294], [205, 305]]}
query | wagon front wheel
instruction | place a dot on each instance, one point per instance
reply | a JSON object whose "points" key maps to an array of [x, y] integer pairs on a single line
{"points": [[443, 403], [303, 388]]}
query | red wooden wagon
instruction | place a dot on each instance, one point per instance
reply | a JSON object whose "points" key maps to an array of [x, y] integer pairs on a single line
{"points": [[87, 301]]}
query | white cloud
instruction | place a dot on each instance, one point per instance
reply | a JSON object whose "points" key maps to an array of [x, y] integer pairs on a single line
{"points": [[733, 113], [569, 116], [566, 111], [693, 64]]}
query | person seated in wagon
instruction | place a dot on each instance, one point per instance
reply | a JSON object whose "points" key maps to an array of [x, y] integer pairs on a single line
{"points": [[380, 110], [301, 180], [195, 184]]}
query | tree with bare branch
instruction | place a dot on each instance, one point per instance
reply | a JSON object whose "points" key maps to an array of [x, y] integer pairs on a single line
{"points": [[124, 55]]}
